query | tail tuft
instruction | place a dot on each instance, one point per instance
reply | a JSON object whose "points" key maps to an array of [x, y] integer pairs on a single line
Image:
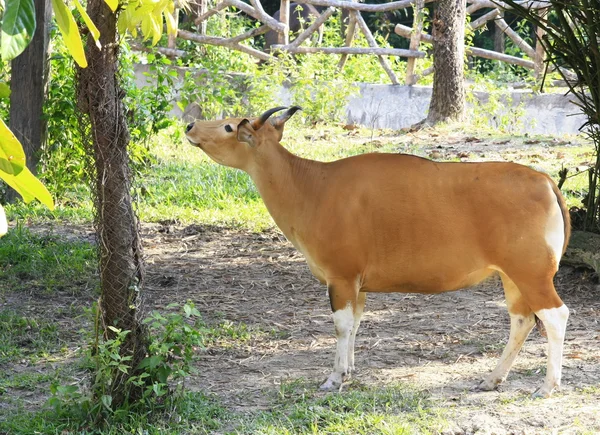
{"points": [[541, 327]]}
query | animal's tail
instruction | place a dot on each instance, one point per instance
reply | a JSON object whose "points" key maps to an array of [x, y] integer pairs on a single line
{"points": [[540, 326], [565, 213]]}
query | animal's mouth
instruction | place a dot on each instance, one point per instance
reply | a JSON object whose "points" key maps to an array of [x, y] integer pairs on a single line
{"points": [[193, 143]]}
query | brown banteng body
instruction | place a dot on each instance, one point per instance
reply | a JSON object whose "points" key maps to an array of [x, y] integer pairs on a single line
{"points": [[400, 223]]}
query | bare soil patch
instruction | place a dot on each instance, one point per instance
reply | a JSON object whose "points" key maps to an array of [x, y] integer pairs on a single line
{"points": [[443, 343]]}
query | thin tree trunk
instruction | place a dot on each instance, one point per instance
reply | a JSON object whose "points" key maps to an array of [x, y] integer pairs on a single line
{"points": [[116, 224], [448, 97], [28, 89]]}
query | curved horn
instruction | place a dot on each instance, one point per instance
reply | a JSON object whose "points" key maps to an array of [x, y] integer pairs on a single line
{"points": [[258, 123], [282, 119]]}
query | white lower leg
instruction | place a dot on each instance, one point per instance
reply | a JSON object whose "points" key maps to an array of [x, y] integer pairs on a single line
{"points": [[555, 322], [344, 322], [360, 305], [520, 327]]}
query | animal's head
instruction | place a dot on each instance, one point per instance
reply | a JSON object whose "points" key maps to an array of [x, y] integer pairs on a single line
{"points": [[233, 142]]}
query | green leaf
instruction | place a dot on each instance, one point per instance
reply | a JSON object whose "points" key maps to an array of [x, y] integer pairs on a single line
{"points": [[150, 362], [89, 23], [68, 28], [18, 27], [12, 156], [29, 187], [107, 401], [4, 90], [112, 4]]}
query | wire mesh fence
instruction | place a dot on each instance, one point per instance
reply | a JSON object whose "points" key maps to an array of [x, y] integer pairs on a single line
{"points": [[104, 128]]}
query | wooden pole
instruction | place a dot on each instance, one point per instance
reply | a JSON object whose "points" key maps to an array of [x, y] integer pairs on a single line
{"points": [[312, 28], [223, 42], [350, 32], [203, 10], [415, 40], [520, 42], [373, 44], [172, 41], [540, 53], [499, 38], [354, 6], [284, 18], [376, 51], [473, 51]]}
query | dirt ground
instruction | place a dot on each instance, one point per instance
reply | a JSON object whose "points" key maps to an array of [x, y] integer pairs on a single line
{"points": [[443, 343]]}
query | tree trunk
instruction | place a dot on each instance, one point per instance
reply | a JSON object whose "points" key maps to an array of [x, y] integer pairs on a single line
{"points": [[28, 89], [448, 97], [117, 231]]}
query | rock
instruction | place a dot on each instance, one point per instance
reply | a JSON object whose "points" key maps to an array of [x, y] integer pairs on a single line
{"points": [[583, 251]]}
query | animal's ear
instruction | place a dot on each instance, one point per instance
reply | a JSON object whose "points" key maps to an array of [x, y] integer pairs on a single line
{"points": [[245, 133], [280, 120]]}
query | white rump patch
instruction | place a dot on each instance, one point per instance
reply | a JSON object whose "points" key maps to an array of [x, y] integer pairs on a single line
{"points": [[555, 229]]}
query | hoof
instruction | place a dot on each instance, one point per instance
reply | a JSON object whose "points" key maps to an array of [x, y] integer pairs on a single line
{"points": [[333, 383], [488, 385], [542, 393], [328, 385]]}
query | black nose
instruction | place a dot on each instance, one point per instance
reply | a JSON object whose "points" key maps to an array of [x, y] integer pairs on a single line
{"points": [[189, 127]]}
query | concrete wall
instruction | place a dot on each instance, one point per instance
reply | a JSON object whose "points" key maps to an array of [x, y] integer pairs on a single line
{"points": [[395, 107]]}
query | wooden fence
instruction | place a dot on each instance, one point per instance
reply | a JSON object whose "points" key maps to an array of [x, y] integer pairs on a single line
{"points": [[357, 23]]}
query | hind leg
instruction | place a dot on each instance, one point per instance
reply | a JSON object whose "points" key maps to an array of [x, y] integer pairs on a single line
{"points": [[522, 321], [540, 296], [555, 322]]}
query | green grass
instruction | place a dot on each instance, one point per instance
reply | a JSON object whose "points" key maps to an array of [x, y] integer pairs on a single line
{"points": [[29, 261], [297, 408], [300, 409], [23, 337]]}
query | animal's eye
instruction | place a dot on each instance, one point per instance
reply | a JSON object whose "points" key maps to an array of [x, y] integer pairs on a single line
{"points": [[228, 128]]}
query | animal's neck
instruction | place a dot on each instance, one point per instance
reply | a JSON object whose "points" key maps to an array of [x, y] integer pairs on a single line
{"points": [[284, 182]]}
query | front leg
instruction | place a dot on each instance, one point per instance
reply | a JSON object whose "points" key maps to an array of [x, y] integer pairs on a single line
{"points": [[343, 298]]}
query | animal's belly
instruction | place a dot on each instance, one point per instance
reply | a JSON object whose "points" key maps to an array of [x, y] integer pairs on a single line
{"points": [[431, 283]]}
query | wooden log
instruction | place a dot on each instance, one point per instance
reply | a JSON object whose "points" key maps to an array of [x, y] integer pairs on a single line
{"points": [[250, 33], [494, 55], [520, 42], [499, 37], [415, 39], [352, 50], [284, 18], [313, 27], [475, 6], [223, 42], [203, 10], [481, 21], [540, 52], [373, 44], [258, 14], [391, 6], [406, 31], [172, 39], [207, 14], [350, 32], [473, 51]]}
